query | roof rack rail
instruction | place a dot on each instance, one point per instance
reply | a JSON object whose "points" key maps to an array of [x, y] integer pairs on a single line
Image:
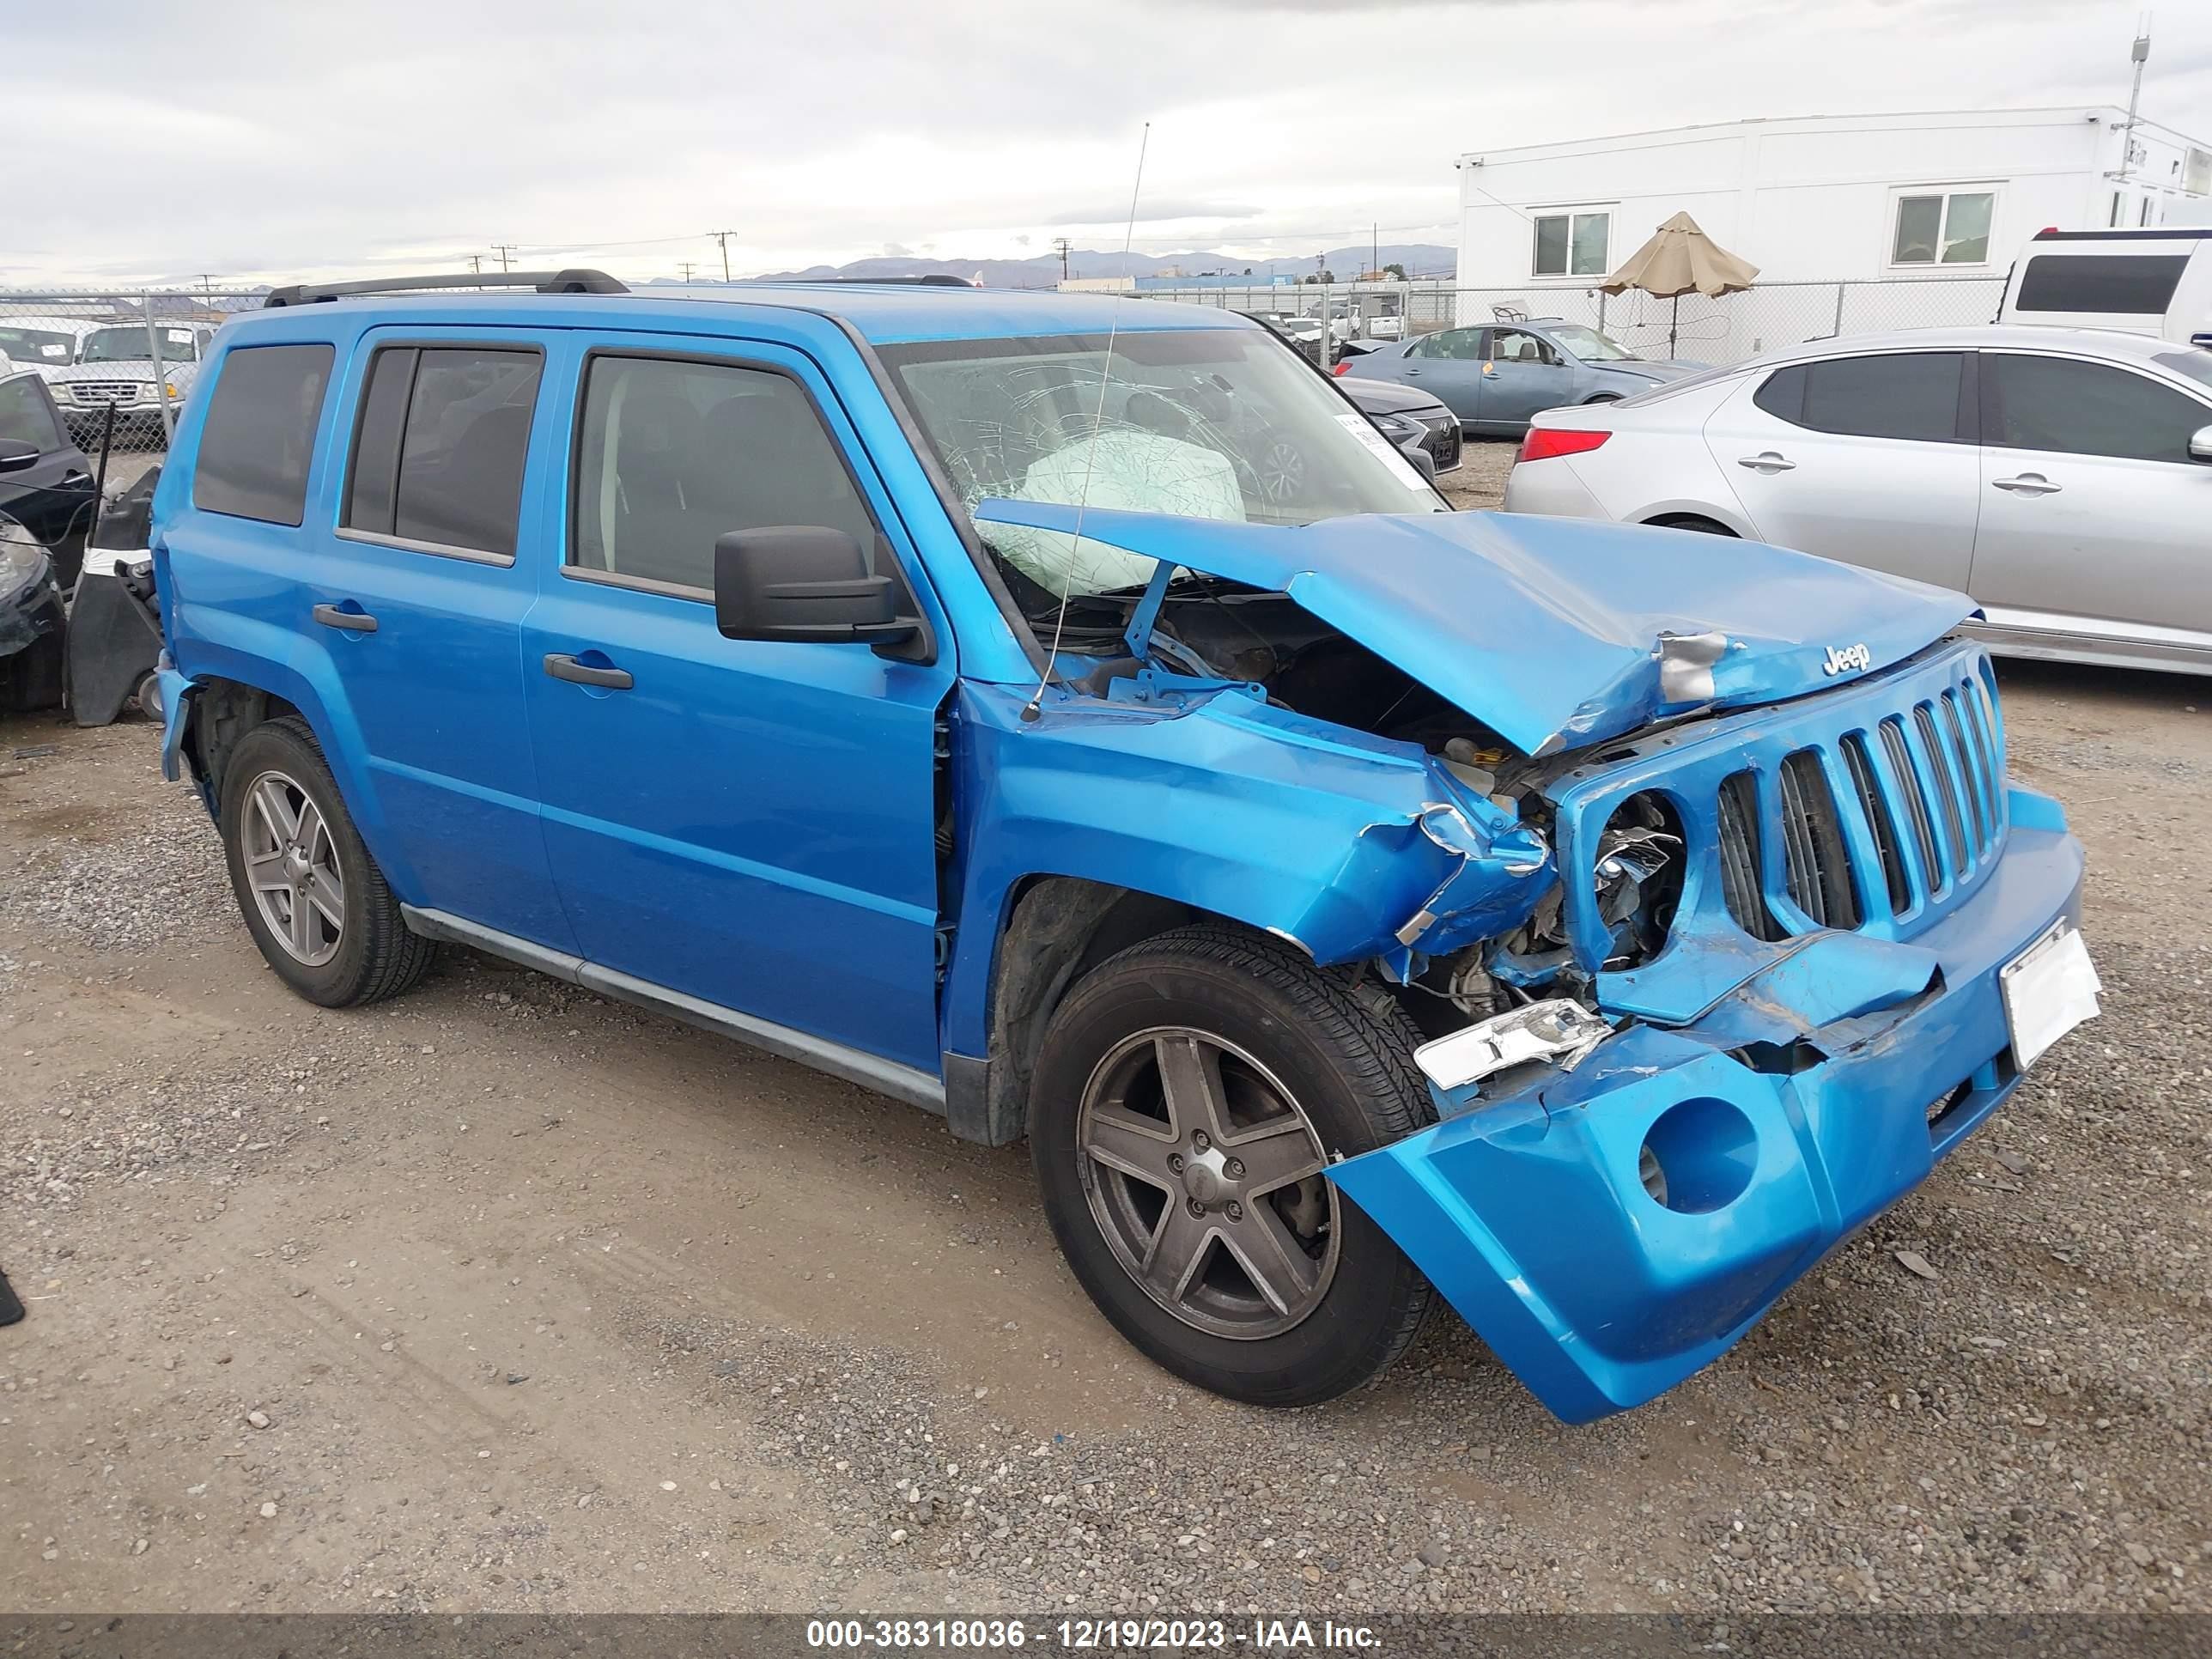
{"points": [[935, 279], [577, 279]]}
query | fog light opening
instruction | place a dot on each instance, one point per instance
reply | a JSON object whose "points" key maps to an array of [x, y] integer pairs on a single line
{"points": [[1698, 1156]]}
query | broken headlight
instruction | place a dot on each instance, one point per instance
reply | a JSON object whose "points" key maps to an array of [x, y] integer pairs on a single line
{"points": [[1636, 876]]}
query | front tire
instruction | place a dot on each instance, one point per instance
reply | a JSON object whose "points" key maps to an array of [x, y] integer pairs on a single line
{"points": [[1189, 1094], [313, 898]]}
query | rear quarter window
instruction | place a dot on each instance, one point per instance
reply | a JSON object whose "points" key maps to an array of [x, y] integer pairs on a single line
{"points": [[260, 432], [2116, 284]]}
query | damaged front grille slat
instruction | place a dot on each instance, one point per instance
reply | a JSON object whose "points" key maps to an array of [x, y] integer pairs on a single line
{"points": [[1816, 870], [1968, 760], [1879, 824], [1947, 789], [1899, 756], [1741, 889]]}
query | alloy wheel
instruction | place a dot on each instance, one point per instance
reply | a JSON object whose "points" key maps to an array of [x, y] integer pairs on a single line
{"points": [[292, 868], [1205, 1176]]}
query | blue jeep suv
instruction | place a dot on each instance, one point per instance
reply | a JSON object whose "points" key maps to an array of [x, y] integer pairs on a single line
{"points": [[1354, 903]]}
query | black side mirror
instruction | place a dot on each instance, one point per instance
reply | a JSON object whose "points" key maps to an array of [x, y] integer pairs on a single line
{"points": [[804, 583], [15, 454]]}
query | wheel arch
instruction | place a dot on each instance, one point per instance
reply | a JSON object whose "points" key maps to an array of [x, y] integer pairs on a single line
{"points": [[1707, 522], [217, 710], [1051, 931]]}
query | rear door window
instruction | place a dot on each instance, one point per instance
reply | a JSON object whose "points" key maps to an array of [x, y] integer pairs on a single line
{"points": [[1911, 395], [2119, 284], [440, 445], [260, 432], [2076, 408], [674, 455], [1460, 344]]}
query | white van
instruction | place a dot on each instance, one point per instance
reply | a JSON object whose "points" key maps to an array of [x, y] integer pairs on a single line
{"points": [[2146, 281]]}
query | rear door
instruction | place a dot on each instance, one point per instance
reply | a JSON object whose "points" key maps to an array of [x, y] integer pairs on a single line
{"points": [[2093, 520], [1448, 366], [416, 585], [1524, 372], [750, 823], [1867, 460]]}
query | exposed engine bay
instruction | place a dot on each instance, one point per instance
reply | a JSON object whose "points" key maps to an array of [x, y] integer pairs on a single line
{"points": [[1218, 630]]}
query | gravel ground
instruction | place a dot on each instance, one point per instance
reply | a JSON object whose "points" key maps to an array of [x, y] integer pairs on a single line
{"points": [[501, 1296], [1479, 478]]}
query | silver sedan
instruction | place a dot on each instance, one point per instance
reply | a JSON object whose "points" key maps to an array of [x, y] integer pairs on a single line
{"points": [[2062, 477]]}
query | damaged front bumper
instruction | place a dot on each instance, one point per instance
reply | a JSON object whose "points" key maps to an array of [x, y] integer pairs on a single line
{"points": [[1537, 1210]]}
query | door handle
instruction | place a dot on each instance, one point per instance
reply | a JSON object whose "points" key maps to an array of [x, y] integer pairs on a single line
{"points": [[353, 622], [1413, 371], [1766, 461], [562, 666], [2028, 483]]}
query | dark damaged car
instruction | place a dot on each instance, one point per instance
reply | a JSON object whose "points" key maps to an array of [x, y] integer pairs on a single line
{"points": [[1354, 903]]}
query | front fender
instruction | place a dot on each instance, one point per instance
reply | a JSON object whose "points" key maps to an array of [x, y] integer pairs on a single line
{"points": [[1349, 847]]}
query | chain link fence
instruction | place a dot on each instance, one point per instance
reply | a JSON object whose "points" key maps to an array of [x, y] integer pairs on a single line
{"points": [[116, 366], [1718, 332]]}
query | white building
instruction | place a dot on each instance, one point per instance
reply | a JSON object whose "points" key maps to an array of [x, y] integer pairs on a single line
{"points": [[1828, 197]]}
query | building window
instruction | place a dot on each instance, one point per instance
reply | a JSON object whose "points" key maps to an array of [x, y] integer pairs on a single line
{"points": [[1943, 228], [1572, 244], [2119, 201]]}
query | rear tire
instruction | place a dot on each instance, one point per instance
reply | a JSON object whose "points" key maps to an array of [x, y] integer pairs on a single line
{"points": [[1190, 1092], [313, 898]]}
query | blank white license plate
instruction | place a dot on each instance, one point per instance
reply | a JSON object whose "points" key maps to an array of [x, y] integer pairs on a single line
{"points": [[2049, 990]]}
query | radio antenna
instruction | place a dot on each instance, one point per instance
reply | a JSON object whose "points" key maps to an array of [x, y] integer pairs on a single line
{"points": [[1035, 704]]}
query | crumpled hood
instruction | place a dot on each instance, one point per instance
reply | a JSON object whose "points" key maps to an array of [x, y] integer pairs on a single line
{"points": [[1555, 632]]}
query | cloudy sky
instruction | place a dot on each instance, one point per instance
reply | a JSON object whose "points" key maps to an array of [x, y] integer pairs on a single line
{"points": [[252, 141]]}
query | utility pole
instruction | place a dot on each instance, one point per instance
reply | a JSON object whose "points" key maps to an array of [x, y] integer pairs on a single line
{"points": [[1060, 247], [723, 237], [1375, 247], [503, 249], [476, 264], [2138, 54], [687, 267]]}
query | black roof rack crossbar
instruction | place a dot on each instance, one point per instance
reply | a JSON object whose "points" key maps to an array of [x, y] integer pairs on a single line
{"points": [[576, 279]]}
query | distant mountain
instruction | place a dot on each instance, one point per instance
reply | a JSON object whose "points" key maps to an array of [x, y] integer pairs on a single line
{"points": [[1042, 270]]}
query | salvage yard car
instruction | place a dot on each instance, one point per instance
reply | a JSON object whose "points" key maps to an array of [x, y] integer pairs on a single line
{"points": [[2063, 477], [1497, 377], [1354, 903]]}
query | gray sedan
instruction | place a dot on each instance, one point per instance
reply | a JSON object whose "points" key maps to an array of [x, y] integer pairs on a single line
{"points": [[1495, 378], [2063, 477]]}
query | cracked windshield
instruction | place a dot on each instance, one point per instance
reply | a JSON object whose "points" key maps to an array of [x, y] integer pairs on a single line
{"points": [[1207, 424]]}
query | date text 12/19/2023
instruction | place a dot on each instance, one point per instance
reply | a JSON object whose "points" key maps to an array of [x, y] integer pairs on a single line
{"points": [[1091, 1635]]}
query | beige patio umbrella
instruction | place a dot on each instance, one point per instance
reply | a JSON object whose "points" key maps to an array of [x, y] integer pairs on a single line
{"points": [[1679, 259]]}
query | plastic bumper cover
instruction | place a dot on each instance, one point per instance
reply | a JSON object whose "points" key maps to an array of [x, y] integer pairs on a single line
{"points": [[1779, 1130]]}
